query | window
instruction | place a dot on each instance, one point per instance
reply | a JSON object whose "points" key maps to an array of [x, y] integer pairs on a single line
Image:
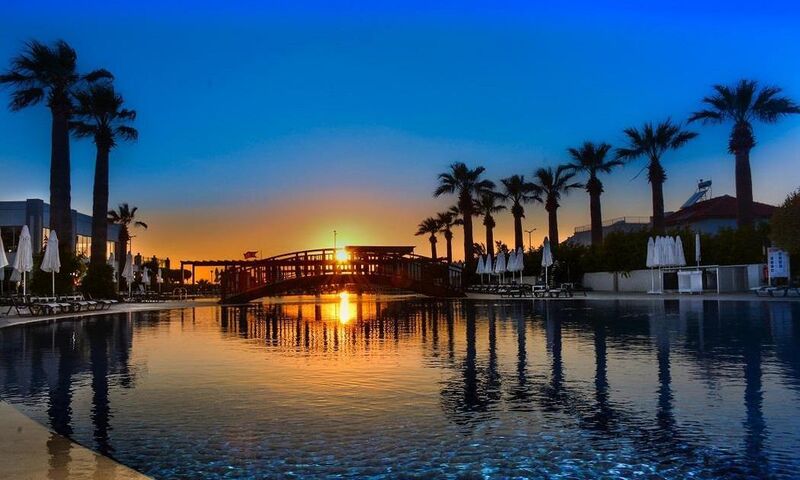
{"points": [[10, 237], [83, 245]]}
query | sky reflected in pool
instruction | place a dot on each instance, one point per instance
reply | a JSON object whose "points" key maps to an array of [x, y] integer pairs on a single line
{"points": [[347, 386]]}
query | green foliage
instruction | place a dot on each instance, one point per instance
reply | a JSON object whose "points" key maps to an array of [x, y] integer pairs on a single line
{"points": [[786, 224], [72, 268], [99, 282]]}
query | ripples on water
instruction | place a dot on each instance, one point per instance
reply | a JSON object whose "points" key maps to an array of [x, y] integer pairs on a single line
{"points": [[349, 387]]}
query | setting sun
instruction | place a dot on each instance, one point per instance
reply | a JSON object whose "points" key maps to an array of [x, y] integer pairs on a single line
{"points": [[341, 256]]}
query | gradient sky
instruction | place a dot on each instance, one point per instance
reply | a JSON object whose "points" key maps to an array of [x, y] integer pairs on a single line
{"points": [[267, 125]]}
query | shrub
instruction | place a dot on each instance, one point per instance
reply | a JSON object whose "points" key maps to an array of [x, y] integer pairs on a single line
{"points": [[786, 224], [72, 268], [99, 282]]}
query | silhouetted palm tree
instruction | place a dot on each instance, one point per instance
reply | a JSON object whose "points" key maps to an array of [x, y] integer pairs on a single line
{"points": [[49, 73], [549, 185], [430, 226], [591, 158], [742, 104], [652, 142], [517, 191], [125, 217], [447, 220], [487, 205], [99, 114], [467, 185]]}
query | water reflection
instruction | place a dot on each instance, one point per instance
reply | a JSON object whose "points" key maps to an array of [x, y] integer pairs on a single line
{"points": [[652, 385]]}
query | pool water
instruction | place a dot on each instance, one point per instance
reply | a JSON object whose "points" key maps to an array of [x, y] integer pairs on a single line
{"points": [[373, 387]]}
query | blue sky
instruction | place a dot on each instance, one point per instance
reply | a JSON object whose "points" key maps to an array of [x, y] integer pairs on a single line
{"points": [[304, 117]]}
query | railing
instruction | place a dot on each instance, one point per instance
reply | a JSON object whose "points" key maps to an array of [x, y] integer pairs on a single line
{"points": [[615, 221]]}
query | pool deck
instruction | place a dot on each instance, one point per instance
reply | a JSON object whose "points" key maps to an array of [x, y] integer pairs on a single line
{"points": [[31, 451]]}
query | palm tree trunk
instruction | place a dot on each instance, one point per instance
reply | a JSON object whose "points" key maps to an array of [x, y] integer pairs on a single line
{"points": [[100, 207], [552, 219], [468, 237], [597, 218], [658, 206], [433, 247], [490, 240], [122, 251], [60, 182], [518, 243], [744, 189], [448, 236]]}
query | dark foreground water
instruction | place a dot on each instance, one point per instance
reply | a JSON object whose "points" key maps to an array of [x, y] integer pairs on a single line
{"points": [[342, 387]]}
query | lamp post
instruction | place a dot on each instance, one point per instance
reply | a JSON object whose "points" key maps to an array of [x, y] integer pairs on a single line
{"points": [[334, 240], [530, 244]]}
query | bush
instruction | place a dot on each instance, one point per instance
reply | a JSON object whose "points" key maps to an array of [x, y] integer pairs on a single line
{"points": [[72, 268], [99, 282], [786, 224]]}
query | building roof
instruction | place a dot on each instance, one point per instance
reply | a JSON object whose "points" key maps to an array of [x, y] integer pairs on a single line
{"points": [[723, 207]]}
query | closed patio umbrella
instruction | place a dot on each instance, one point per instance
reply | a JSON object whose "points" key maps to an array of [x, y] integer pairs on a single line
{"points": [[651, 262], [23, 260], [127, 271], [511, 266], [51, 262], [3, 263], [680, 258], [500, 265], [159, 279], [145, 277], [547, 257], [520, 262], [696, 248], [481, 267]]}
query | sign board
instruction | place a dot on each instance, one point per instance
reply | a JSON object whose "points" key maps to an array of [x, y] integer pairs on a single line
{"points": [[777, 263]]}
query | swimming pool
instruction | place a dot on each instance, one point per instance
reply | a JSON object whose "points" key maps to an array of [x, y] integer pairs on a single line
{"points": [[361, 387]]}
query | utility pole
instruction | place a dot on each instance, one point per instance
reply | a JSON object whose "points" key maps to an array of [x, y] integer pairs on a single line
{"points": [[530, 245], [334, 239]]}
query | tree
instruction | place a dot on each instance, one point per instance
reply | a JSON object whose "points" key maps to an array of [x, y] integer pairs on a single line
{"points": [[742, 104], [99, 114], [591, 159], [518, 191], [786, 224], [652, 142], [487, 205], [430, 226], [447, 220], [49, 73], [549, 185], [467, 185], [125, 217]]}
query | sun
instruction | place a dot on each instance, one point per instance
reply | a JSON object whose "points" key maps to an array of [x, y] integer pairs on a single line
{"points": [[341, 256]]}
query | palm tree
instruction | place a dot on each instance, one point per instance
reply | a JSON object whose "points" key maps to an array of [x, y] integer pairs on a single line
{"points": [[49, 73], [487, 205], [467, 185], [652, 142], [124, 216], [447, 220], [430, 226], [742, 104], [549, 186], [99, 114], [518, 191], [591, 158]]}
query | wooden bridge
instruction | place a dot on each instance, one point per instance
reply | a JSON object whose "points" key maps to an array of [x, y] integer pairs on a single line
{"points": [[362, 268]]}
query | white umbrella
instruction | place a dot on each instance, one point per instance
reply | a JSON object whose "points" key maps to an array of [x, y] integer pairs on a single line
{"points": [[680, 258], [145, 277], [651, 262], [23, 261], [520, 262], [127, 271], [512, 263], [3, 263], [112, 262], [547, 257], [500, 265], [488, 267], [159, 279], [696, 248], [481, 267], [51, 262]]}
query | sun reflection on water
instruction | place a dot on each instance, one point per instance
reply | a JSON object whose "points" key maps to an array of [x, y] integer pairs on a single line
{"points": [[346, 310]]}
